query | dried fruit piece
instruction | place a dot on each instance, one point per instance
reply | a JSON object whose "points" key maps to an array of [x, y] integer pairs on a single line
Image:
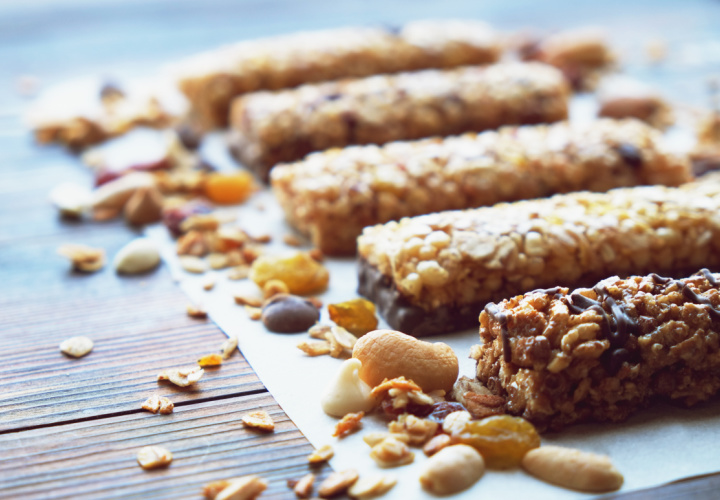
{"points": [[193, 264], [357, 316], [139, 256], [152, 457], [228, 347], [301, 273], [77, 347], [227, 189], [502, 440], [452, 470], [348, 424], [210, 360], [314, 348], [289, 314], [391, 452], [243, 488], [259, 420], [303, 488], [321, 455], [337, 483], [182, 377], [372, 486], [274, 287], [158, 404], [196, 312], [83, 258]]}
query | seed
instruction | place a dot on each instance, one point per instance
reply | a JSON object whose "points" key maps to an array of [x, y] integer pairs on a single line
{"points": [[77, 347], [289, 314]]}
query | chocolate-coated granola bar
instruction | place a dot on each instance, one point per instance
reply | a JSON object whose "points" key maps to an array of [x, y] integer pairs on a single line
{"points": [[269, 128], [435, 273], [560, 357], [211, 80], [333, 195]]}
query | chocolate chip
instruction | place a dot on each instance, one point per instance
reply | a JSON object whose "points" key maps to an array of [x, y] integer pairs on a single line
{"points": [[289, 314], [630, 154], [616, 360]]}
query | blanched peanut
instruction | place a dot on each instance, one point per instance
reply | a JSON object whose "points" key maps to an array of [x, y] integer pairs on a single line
{"points": [[452, 469], [574, 469], [347, 393], [390, 354]]}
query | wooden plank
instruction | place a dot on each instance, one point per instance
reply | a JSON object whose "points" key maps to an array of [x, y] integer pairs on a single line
{"points": [[97, 458]]}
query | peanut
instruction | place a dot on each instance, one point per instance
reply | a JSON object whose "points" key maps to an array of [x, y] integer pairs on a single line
{"points": [[390, 354], [452, 469], [574, 469]]}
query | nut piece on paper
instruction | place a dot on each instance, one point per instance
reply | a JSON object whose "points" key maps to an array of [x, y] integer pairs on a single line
{"points": [[452, 469], [303, 487], [77, 347], [348, 424], [372, 486], [152, 457], [337, 483], [321, 455], [182, 377], [258, 420], [391, 452], [83, 258], [241, 488], [158, 404]]}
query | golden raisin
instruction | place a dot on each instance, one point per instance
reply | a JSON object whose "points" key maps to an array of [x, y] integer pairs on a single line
{"points": [[502, 440], [301, 273], [227, 189], [357, 316]]}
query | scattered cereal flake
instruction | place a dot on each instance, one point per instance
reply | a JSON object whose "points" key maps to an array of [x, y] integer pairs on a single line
{"points": [[419, 430], [210, 360], [77, 347], [349, 423], [292, 240], [193, 264], [373, 438], [182, 377], [391, 452], [259, 420], [84, 258], [152, 457], [196, 312], [337, 483], [158, 404], [228, 347], [254, 313], [314, 348], [319, 331], [303, 487], [321, 455], [246, 300], [372, 486], [274, 287], [238, 272], [209, 284], [243, 488]]}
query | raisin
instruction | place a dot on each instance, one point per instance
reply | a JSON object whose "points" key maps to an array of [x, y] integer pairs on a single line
{"points": [[174, 217], [227, 189], [416, 409], [501, 440], [442, 409], [289, 314], [301, 273], [357, 316]]}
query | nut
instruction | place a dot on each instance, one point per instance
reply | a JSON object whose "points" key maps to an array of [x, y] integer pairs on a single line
{"points": [[182, 377], [348, 424], [193, 264], [452, 469], [574, 469], [212, 489], [387, 354], [228, 347], [258, 420], [77, 347], [139, 256], [337, 483], [244, 488], [419, 430], [303, 488], [196, 312], [144, 206], [391, 452], [84, 258], [373, 438], [321, 455], [347, 393], [436, 444], [157, 404], [372, 486], [115, 194], [152, 457]]}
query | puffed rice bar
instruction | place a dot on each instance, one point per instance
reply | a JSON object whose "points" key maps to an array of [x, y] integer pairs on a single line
{"points": [[270, 128], [332, 195], [435, 273], [211, 80], [600, 354]]}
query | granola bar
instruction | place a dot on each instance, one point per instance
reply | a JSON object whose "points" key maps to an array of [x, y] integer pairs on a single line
{"points": [[561, 357], [270, 128], [211, 80], [434, 273], [332, 195]]}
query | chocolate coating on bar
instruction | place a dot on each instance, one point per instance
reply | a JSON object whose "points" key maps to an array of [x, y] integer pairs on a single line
{"points": [[407, 318]]}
